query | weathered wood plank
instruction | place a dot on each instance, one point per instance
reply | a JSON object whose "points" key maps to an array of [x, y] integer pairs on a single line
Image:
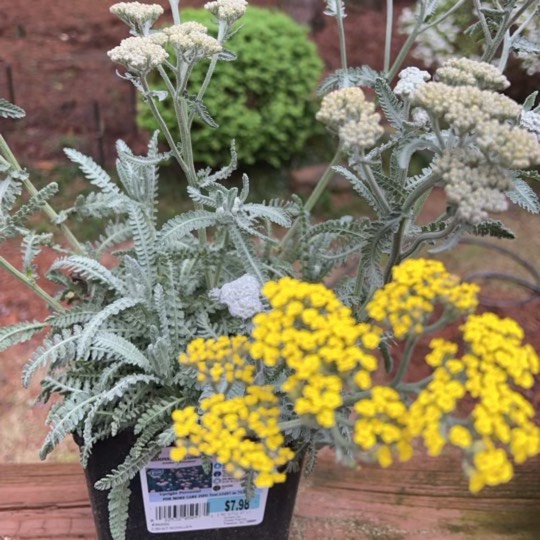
{"points": [[425, 498]]}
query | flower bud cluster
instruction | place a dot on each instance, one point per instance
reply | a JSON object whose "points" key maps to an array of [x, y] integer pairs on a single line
{"points": [[467, 72], [347, 112], [190, 41], [475, 186], [312, 334], [409, 80], [464, 107], [139, 54], [227, 10], [510, 146], [219, 360], [242, 432], [408, 302], [139, 17]]}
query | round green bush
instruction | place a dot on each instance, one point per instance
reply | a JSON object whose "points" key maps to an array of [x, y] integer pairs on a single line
{"points": [[264, 99]]}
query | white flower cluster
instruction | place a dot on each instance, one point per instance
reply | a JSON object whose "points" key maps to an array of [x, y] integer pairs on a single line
{"points": [[347, 112], [227, 10], [409, 80], [531, 122], [509, 146], [190, 40], [242, 296], [464, 107], [139, 54], [464, 71], [473, 185], [138, 16]]}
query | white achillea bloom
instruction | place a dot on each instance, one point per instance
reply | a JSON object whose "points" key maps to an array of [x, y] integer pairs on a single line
{"points": [[347, 112], [242, 296], [360, 134], [507, 145], [191, 41], [466, 72], [409, 80], [473, 185], [138, 16], [227, 10], [464, 107], [139, 54], [531, 122], [419, 117]]}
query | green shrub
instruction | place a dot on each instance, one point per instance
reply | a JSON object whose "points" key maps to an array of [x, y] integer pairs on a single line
{"points": [[264, 100]]}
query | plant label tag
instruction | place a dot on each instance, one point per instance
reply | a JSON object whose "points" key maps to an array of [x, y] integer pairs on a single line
{"points": [[186, 497]]}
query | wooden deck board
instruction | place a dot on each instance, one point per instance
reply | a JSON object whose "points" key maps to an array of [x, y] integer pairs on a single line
{"points": [[423, 499]]}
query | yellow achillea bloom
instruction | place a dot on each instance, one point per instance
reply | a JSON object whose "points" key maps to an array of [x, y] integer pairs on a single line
{"points": [[221, 359], [242, 432], [409, 300], [382, 425], [314, 335], [501, 424]]}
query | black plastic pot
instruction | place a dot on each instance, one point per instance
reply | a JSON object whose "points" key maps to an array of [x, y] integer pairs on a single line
{"points": [[108, 454]]}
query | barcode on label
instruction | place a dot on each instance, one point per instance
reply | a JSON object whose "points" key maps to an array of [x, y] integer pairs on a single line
{"points": [[181, 511]]}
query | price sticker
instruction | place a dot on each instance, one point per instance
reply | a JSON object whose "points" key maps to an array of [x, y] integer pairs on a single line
{"points": [[187, 496]]}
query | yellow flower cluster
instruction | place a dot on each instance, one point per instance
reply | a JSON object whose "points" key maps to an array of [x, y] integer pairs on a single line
{"points": [[409, 300], [501, 422], [221, 359], [315, 336], [496, 358], [439, 398], [242, 432], [382, 424]]}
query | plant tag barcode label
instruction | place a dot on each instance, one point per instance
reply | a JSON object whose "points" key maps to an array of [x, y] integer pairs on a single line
{"points": [[186, 497]]}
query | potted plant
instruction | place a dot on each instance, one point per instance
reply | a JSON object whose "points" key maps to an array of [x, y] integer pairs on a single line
{"points": [[220, 317]]}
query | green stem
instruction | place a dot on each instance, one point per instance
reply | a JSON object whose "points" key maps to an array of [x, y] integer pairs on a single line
{"points": [[407, 46], [49, 211], [483, 23], [290, 424], [414, 387], [185, 163], [163, 127], [395, 253], [374, 187], [341, 31], [405, 361], [455, 7], [316, 194], [507, 23], [351, 399], [54, 304], [222, 32], [220, 264], [509, 40], [175, 10], [443, 322], [410, 201], [388, 37], [429, 236]]}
